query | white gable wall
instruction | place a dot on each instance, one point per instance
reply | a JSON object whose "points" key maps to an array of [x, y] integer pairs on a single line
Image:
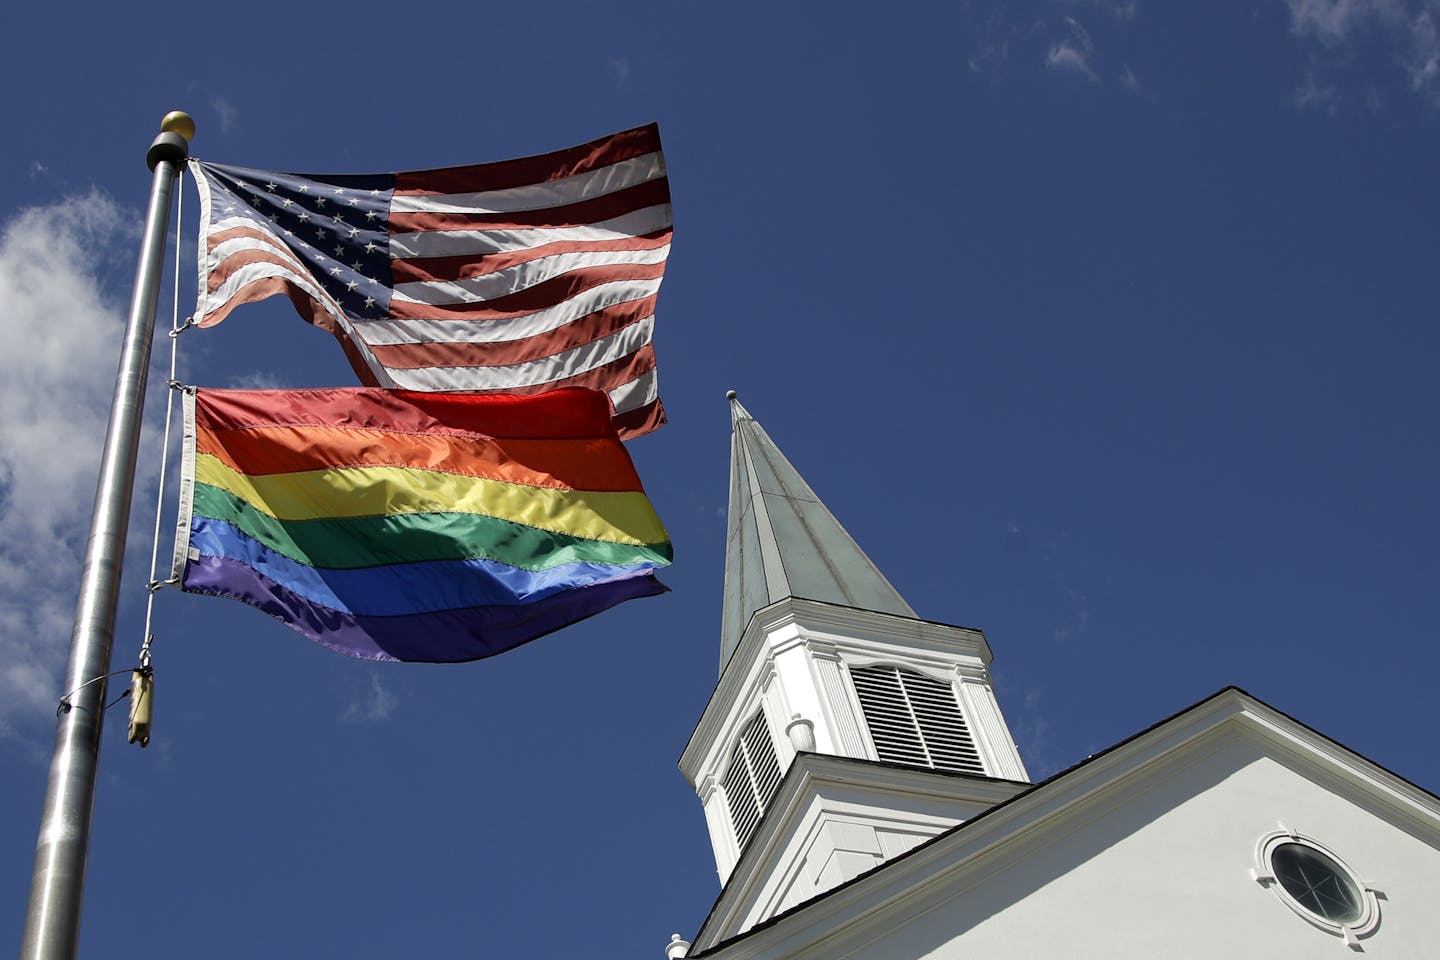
{"points": [[1159, 866]]}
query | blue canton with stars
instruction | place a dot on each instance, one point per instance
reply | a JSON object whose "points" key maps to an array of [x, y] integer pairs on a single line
{"points": [[337, 225]]}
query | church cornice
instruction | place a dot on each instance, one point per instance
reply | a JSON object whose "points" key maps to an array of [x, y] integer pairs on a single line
{"points": [[825, 630]]}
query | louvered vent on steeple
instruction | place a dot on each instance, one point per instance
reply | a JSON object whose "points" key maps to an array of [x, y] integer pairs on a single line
{"points": [[752, 778], [915, 719]]}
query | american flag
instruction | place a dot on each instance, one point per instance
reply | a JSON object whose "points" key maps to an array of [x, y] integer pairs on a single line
{"points": [[518, 276]]}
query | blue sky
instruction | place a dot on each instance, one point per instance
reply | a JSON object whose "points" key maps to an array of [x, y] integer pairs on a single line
{"points": [[1106, 327]]}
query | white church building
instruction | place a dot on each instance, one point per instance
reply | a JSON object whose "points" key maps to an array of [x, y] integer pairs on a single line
{"points": [[865, 798]]}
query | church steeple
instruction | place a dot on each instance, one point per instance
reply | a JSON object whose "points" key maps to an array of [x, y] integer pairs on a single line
{"points": [[782, 542], [844, 730]]}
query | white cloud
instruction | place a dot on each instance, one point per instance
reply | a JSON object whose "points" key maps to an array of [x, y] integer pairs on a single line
{"points": [[1404, 31], [1032, 735], [1128, 81], [1078, 620], [1051, 33], [1073, 52], [256, 380], [225, 112], [375, 705], [620, 66], [1064, 56], [1332, 21], [1119, 9], [988, 56], [1311, 93], [59, 344], [1421, 58]]}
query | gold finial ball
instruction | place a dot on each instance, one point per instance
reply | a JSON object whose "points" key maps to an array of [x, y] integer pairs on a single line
{"points": [[178, 121]]}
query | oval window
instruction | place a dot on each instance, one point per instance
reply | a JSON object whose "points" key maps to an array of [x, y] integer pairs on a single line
{"points": [[1317, 882]]}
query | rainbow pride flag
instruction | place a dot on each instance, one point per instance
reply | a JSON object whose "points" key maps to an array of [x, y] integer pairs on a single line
{"points": [[399, 525]]}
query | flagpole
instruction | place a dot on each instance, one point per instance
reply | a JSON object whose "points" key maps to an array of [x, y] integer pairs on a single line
{"points": [[57, 886]]}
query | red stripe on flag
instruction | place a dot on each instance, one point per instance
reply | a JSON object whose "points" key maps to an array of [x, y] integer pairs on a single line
{"points": [[641, 420], [607, 207], [353, 352], [525, 171], [465, 266], [251, 292]]}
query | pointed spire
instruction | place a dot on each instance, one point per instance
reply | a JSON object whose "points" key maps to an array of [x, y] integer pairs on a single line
{"points": [[782, 542]]}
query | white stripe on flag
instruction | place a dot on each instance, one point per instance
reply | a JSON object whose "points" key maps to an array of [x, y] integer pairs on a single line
{"points": [[638, 392], [395, 331]]}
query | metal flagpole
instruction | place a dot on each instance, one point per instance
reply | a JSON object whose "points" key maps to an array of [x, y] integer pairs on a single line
{"points": [[57, 886]]}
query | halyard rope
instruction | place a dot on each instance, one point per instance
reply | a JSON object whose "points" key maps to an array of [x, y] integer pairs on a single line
{"points": [[176, 326]]}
